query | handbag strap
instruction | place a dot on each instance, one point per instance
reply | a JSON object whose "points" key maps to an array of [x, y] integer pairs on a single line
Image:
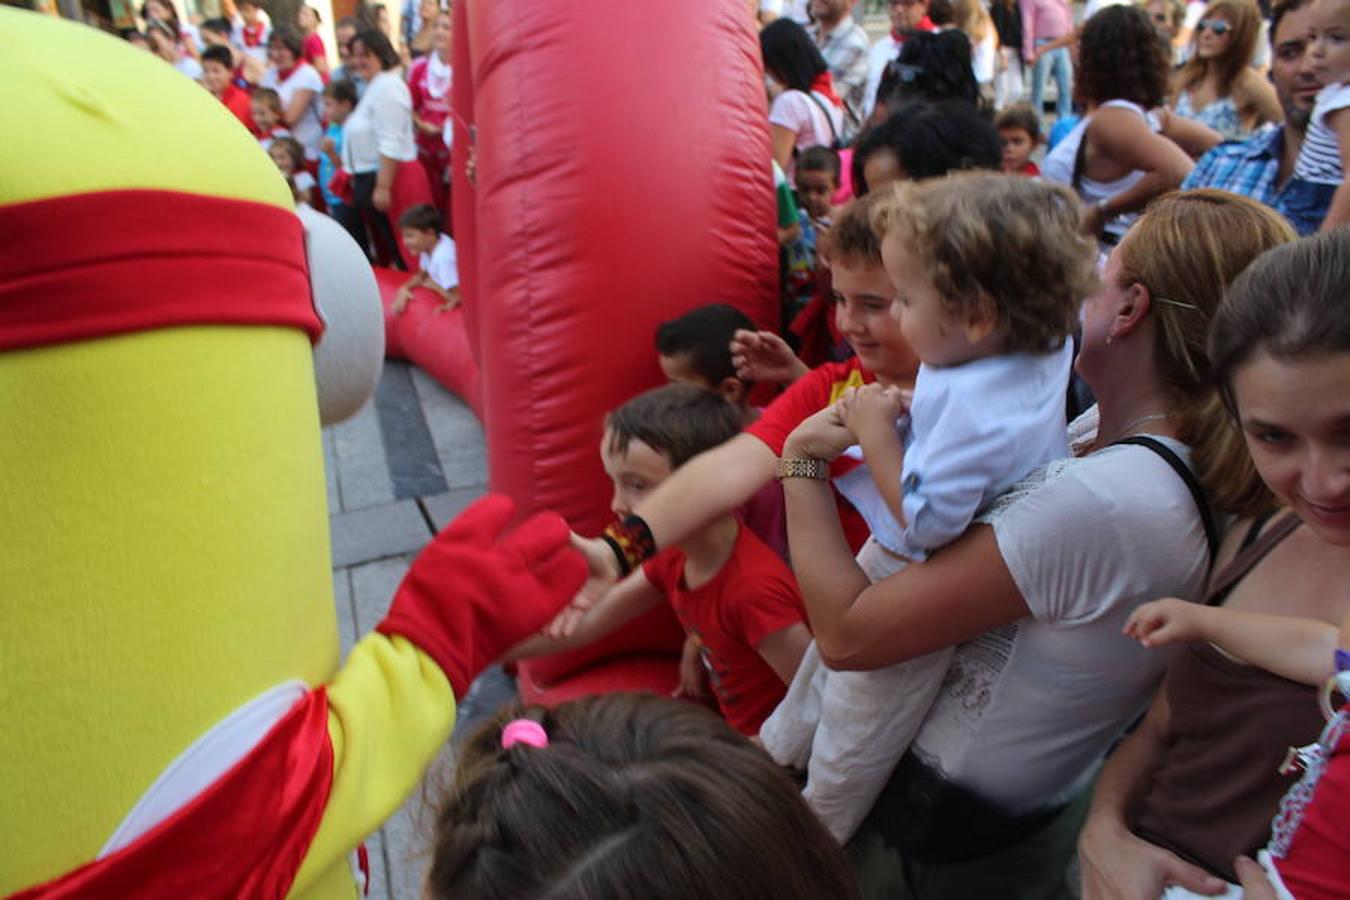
{"points": [[834, 133], [1192, 484], [1252, 552]]}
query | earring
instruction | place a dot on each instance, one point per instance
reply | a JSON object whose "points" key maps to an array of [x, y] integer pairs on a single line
{"points": [[1109, 339]]}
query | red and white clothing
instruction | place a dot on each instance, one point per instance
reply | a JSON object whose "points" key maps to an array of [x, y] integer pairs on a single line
{"points": [[429, 81], [751, 597], [807, 396], [814, 118], [252, 39], [308, 129]]}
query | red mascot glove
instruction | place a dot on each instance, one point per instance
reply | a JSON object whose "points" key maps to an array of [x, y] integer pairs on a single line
{"points": [[474, 591]]}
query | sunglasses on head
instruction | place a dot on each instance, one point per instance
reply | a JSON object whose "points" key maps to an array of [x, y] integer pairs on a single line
{"points": [[1218, 26]]}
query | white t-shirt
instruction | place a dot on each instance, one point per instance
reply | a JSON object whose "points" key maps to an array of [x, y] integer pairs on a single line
{"points": [[381, 125], [440, 264], [976, 430], [1320, 159], [189, 67], [309, 129], [1095, 6], [983, 56], [1029, 709], [805, 117]]}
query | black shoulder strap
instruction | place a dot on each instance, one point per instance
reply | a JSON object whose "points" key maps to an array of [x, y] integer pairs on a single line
{"points": [[1186, 475], [834, 134]]}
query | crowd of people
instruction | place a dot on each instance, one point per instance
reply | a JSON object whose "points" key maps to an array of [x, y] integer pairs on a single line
{"points": [[1037, 549]]}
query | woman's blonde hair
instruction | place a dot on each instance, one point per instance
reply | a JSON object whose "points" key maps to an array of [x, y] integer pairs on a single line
{"points": [[1187, 250], [973, 19], [1002, 243], [1245, 20]]}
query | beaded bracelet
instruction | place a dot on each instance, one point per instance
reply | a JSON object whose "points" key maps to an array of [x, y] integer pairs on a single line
{"points": [[632, 542]]}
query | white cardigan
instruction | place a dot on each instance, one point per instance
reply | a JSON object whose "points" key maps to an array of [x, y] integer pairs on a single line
{"points": [[381, 125]]}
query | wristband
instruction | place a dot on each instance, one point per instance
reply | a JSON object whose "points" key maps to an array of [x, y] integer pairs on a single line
{"points": [[632, 542]]}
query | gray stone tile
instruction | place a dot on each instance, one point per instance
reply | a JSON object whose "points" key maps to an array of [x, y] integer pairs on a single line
{"points": [[346, 614], [373, 586], [379, 867], [362, 470], [455, 431], [376, 532], [414, 468], [442, 508], [409, 833]]}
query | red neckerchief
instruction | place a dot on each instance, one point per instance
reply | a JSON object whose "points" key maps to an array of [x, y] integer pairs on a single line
{"points": [[824, 85], [925, 24], [253, 34], [243, 836], [65, 276], [284, 74]]}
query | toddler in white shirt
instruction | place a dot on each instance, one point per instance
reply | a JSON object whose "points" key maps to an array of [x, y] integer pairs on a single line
{"points": [[989, 272]]}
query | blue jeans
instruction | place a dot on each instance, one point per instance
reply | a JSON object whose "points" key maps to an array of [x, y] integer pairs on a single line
{"points": [[1058, 60]]}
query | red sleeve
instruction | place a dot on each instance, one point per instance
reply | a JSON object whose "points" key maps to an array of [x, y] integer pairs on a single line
{"points": [[767, 599], [807, 396], [312, 48], [663, 570]]}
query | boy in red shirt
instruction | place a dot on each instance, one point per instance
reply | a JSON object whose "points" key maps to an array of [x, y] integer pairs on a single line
{"points": [[1019, 133], [735, 598], [218, 76]]}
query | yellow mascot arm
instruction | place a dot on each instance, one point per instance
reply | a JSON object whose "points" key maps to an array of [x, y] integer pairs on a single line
{"points": [[391, 709], [474, 591]]}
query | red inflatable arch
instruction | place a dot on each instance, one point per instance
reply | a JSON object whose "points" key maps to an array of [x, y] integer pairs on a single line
{"points": [[622, 178]]}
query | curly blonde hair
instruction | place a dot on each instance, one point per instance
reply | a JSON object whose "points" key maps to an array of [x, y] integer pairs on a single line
{"points": [[999, 243]]}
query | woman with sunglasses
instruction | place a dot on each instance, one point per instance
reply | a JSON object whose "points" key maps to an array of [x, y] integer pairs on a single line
{"points": [[1217, 87]]}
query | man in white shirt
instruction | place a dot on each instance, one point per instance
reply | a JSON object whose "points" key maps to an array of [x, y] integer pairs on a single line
{"points": [[843, 43]]}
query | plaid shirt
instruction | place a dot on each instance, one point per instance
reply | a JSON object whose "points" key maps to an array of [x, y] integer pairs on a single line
{"points": [[845, 51], [1248, 168]]}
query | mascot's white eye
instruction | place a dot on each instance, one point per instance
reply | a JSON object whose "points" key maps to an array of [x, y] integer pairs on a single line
{"points": [[348, 358]]}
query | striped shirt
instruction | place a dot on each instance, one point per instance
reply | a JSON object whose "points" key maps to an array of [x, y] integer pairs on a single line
{"points": [[1320, 159]]}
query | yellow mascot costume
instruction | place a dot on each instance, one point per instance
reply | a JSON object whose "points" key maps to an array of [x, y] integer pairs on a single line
{"points": [[175, 720]]}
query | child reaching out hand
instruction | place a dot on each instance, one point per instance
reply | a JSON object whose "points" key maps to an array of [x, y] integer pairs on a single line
{"points": [[989, 272], [437, 270]]}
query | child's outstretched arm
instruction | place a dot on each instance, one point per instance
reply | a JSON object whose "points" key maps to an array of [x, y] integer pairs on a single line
{"points": [[870, 412], [764, 356], [1338, 213], [619, 605], [1295, 648]]}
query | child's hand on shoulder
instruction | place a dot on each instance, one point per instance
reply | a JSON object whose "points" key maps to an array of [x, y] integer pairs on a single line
{"points": [[1166, 621], [871, 408]]}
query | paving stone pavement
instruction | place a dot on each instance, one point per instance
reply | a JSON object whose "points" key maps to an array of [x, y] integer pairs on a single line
{"points": [[397, 472]]}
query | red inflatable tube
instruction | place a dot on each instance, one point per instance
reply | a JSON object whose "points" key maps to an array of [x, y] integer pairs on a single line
{"points": [[434, 341], [622, 178]]}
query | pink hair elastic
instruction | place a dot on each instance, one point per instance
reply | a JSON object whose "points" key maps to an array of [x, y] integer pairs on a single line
{"points": [[524, 731]]}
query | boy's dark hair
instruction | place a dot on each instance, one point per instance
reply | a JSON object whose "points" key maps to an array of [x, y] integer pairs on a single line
{"points": [[288, 37], [819, 159], [375, 41], [1020, 116], [790, 54], [351, 22], [422, 217], [941, 13], [634, 796], [342, 90], [1279, 11], [218, 25], [219, 54], [999, 244], [704, 335], [269, 97], [678, 420], [930, 139], [1121, 56]]}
